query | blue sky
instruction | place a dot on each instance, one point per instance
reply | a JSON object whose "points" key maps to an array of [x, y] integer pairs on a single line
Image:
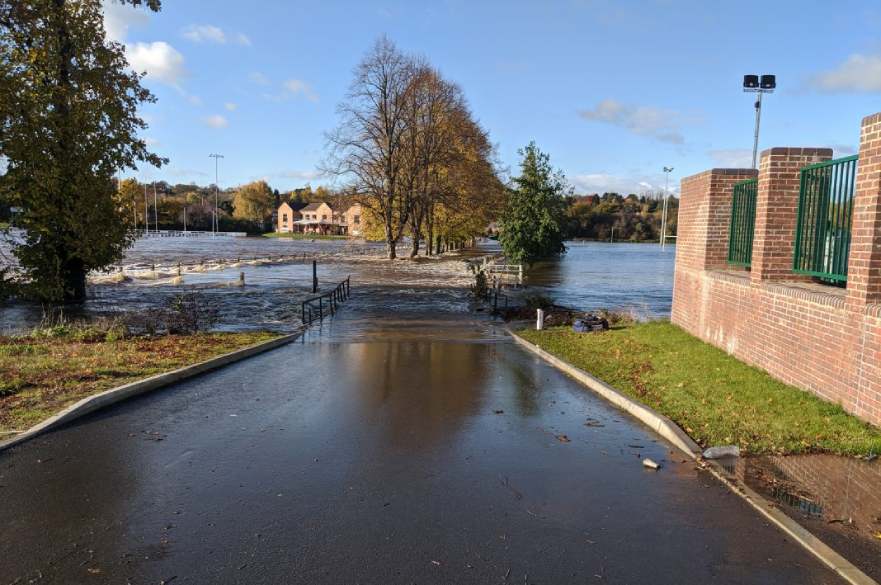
{"points": [[613, 91]]}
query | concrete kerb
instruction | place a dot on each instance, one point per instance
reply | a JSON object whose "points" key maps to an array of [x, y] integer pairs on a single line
{"points": [[669, 430], [652, 419], [126, 391]]}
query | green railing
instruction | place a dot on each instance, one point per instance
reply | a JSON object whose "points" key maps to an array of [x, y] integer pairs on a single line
{"points": [[825, 212], [743, 223]]}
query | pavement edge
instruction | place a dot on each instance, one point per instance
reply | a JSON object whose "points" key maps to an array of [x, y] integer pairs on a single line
{"points": [[670, 431], [112, 396]]}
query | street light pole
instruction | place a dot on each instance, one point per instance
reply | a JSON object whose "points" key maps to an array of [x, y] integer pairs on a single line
{"points": [[667, 171], [215, 226], [756, 134], [759, 85]]}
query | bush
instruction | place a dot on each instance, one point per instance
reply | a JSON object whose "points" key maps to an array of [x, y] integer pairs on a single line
{"points": [[189, 313], [538, 301]]}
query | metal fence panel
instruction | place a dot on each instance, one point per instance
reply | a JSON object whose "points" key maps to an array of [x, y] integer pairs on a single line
{"points": [[823, 224], [743, 223]]}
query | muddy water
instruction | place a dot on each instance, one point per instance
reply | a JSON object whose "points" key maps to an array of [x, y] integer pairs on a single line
{"points": [[273, 290]]}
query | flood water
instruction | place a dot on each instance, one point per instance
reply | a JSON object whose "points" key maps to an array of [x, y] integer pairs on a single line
{"points": [[633, 277], [598, 275]]}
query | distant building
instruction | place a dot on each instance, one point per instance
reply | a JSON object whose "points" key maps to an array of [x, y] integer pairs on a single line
{"points": [[320, 218], [286, 216]]}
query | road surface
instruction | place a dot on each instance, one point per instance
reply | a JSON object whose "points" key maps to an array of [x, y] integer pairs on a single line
{"points": [[377, 451]]}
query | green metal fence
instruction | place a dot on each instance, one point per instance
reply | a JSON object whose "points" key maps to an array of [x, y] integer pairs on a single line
{"points": [[743, 223], [825, 213]]}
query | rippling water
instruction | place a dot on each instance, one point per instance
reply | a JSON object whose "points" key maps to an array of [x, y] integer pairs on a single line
{"points": [[590, 276], [599, 275]]}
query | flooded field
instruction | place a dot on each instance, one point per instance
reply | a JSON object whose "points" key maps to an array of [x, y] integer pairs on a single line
{"points": [[278, 275]]}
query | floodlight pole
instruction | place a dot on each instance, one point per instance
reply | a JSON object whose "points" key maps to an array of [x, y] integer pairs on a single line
{"points": [[215, 225], [758, 122], [667, 171]]}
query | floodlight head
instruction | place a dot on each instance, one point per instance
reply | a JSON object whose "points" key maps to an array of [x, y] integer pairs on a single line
{"points": [[768, 82], [668, 169], [750, 82]]}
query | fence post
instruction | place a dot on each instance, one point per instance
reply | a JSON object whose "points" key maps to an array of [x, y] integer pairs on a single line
{"points": [[320, 308], [314, 276], [303, 312], [863, 274], [776, 205]]}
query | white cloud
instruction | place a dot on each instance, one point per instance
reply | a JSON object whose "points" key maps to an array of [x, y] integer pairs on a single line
{"points": [[299, 175], [732, 158], [859, 73], [297, 87], [216, 121], [230, 107], [149, 141], [159, 60], [657, 123], [258, 78], [208, 33], [624, 184], [119, 17]]}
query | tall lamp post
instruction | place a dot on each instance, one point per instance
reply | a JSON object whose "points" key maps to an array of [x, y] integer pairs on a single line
{"points": [[215, 225], [759, 85], [667, 171]]}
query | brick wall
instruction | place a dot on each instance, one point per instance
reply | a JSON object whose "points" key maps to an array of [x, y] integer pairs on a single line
{"points": [[822, 339]]}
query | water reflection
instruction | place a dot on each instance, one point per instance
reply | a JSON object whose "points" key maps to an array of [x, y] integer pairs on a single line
{"points": [[836, 497]]}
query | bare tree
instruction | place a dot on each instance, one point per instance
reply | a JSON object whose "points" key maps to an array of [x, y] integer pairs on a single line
{"points": [[368, 147]]}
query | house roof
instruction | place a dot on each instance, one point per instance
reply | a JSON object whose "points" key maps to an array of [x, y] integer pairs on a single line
{"points": [[313, 206]]}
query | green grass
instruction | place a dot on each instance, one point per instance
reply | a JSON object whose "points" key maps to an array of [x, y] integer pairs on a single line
{"points": [[42, 374], [293, 236], [715, 398], [4, 225]]}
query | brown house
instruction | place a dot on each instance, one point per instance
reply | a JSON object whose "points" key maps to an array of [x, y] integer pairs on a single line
{"points": [[320, 218]]}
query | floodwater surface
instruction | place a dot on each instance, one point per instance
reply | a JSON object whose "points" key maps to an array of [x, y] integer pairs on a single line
{"points": [[597, 275]]}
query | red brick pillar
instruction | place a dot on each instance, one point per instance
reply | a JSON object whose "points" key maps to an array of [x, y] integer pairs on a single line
{"points": [[704, 218], [864, 262], [776, 210]]}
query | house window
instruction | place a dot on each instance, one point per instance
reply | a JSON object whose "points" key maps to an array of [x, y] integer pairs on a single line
{"points": [[324, 217], [357, 219], [284, 218]]}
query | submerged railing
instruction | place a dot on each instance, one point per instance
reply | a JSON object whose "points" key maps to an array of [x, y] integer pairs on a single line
{"points": [[313, 309]]}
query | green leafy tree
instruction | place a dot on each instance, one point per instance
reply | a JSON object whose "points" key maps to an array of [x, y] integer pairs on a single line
{"points": [[68, 124], [532, 225], [254, 202]]}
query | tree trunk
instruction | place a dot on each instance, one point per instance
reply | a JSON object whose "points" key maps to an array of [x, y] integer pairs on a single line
{"points": [[74, 275], [391, 246], [414, 251]]}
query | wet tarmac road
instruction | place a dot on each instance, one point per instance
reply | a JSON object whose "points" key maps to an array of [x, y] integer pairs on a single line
{"points": [[381, 453]]}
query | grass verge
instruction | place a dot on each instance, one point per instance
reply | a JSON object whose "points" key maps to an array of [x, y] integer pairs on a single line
{"points": [[293, 236], [41, 375], [715, 398]]}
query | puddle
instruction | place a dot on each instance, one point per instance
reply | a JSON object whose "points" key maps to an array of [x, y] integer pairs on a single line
{"points": [[837, 498]]}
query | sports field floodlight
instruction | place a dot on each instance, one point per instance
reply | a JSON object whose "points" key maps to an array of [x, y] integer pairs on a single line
{"points": [[759, 85]]}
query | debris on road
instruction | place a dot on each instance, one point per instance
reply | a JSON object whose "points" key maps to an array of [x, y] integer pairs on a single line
{"points": [[722, 451], [650, 463]]}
